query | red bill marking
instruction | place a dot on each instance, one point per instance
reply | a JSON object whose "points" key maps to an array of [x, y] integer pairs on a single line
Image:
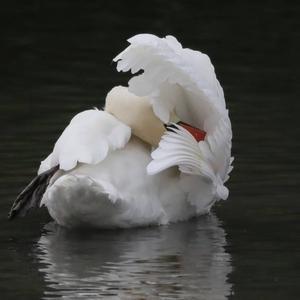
{"points": [[197, 133]]}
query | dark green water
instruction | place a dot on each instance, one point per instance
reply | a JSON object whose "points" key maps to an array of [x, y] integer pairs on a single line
{"points": [[56, 61]]}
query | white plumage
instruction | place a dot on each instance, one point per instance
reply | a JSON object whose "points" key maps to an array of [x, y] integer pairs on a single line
{"points": [[108, 177], [89, 138]]}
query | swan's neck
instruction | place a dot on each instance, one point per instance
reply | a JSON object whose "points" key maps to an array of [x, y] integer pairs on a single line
{"points": [[137, 113]]}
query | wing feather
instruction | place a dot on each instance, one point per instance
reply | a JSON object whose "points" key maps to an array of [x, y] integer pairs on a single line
{"points": [[89, 138], [181, 81], [179, 148]]}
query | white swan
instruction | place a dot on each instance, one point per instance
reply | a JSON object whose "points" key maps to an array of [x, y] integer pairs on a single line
{"points": [[106, 169]]}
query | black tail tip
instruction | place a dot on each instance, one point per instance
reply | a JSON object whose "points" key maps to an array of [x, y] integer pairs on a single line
{"points": [[10, 215]]}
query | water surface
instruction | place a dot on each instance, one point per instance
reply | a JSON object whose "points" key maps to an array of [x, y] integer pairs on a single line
{"points": [[56, 61]]}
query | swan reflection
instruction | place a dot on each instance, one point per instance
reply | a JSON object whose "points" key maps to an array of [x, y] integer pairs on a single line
{"points": [[181, 261]]}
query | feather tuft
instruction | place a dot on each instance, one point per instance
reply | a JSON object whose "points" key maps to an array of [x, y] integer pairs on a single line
{"points": [[89, 138]]}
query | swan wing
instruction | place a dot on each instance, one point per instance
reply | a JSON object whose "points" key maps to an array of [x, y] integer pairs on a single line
{"points": [[181, 81], [174, 78], [179, 148], [89, 138]]}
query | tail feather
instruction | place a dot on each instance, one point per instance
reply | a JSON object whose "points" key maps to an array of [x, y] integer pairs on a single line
{"points": [[31, 196]]}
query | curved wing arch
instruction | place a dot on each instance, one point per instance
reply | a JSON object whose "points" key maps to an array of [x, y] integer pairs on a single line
{"points": [[181, 81]]}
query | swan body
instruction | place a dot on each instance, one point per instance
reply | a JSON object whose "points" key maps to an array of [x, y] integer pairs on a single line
{"points": [[117, 192], [121, 168]]}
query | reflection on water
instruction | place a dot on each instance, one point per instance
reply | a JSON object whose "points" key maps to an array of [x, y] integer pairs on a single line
{"points": [[181, 261]]}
